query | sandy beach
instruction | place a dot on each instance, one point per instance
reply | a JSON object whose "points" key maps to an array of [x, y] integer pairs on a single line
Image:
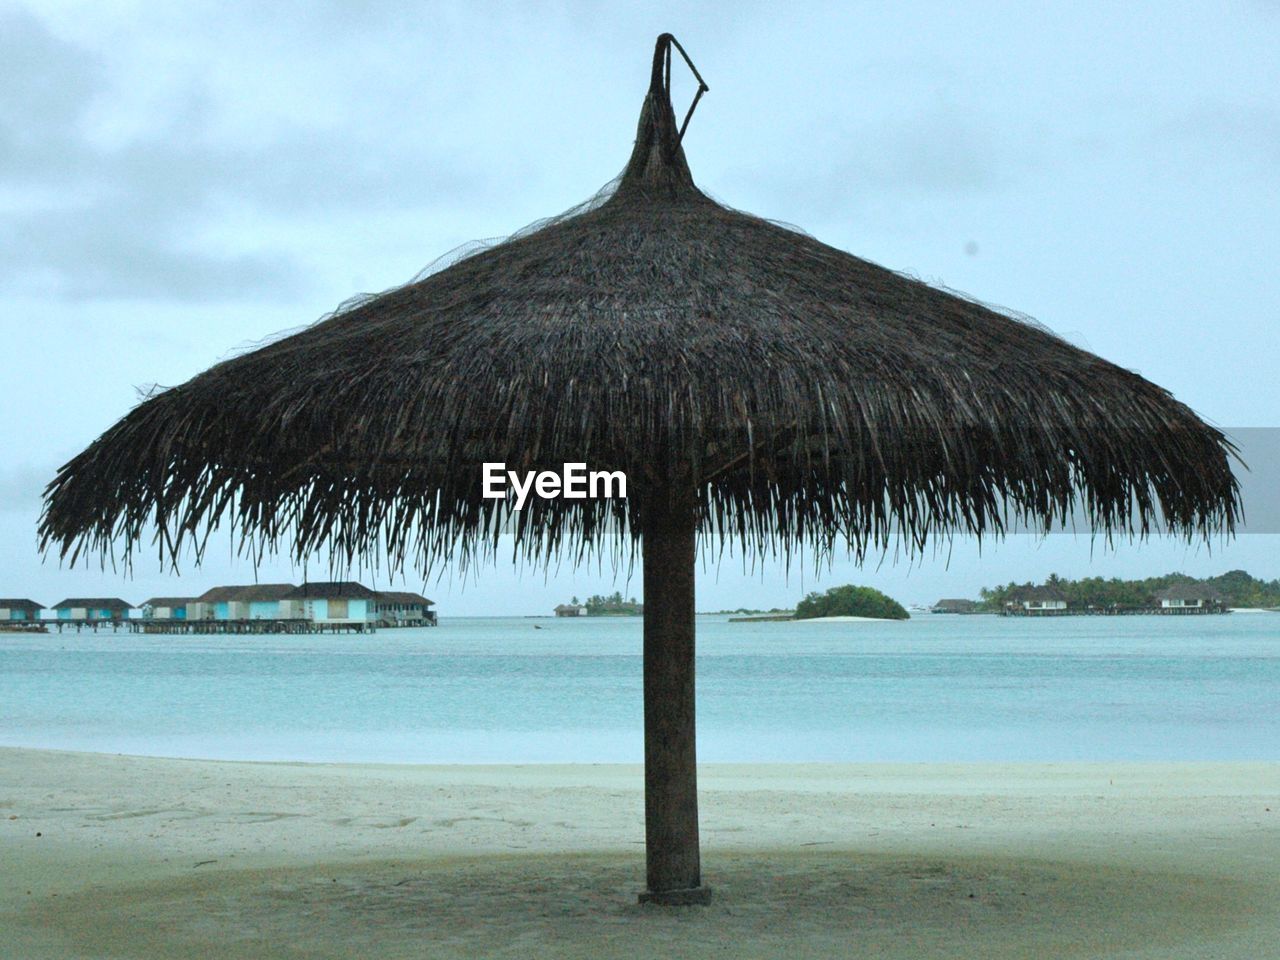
{"points": [[118, 856]]}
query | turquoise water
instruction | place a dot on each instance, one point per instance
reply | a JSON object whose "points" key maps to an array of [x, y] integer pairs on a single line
{"points": [[499, 690]]}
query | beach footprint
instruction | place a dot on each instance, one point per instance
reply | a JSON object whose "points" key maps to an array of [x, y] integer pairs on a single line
{"points": [[181, 813], [380, 823], [260, 816], [454, 821]]}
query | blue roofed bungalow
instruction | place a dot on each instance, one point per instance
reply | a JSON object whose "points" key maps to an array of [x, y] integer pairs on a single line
{"points": [[92, 609], [19, 611]]}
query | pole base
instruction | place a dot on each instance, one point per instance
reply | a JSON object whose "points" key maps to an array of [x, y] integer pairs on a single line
{"points": [[690, 897]]}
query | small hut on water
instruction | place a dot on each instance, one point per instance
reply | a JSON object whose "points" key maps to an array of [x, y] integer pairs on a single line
{"points": [[254, 601], [19, 611], [1036, 602], [954, 606], [1190, 598], [166, 608], [92, 609], [401, 608], [335, 601]]}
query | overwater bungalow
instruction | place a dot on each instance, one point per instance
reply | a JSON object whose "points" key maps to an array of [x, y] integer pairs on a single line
{"points": [[338, 601], [166, 608], [1190, 598], [271, 601], [253, 601], [92, 609], [214, 604], [398, 608], [1036, 601], [571, 610], [954, 606], [19, 611]]}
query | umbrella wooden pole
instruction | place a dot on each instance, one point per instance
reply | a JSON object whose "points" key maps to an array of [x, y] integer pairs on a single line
{"points": [[673, 870]]}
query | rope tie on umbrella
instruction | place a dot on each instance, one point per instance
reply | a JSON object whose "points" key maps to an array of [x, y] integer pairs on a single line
{"points": [[662, 76]]}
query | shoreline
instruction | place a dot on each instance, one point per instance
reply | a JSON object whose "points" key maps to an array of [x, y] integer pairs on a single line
{"points": [[151, 857]]}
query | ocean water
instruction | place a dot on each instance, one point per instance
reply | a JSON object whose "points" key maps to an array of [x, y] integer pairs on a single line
{"points": [[514, 690]]}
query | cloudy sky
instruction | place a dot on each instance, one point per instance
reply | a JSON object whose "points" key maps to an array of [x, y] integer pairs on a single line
{"points": [[178, 181]]}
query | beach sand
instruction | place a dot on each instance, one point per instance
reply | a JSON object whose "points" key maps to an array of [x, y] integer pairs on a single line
{"points": [[113, 856]]}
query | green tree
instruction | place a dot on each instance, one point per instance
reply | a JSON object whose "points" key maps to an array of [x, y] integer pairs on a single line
{"points": [[611, 606], [850, 601], [1238, 588]]}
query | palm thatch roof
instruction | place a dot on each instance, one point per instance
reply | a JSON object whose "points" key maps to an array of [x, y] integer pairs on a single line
{"points": [[114, 604], [332, 590], [1190, 591], [1037, 594], [247, 593], [955, 606], [402, 597], [811, 396], [169, 601], [29, 605]]}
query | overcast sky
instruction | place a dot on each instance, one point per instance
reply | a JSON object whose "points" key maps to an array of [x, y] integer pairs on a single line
{"points": [[180, 180]]}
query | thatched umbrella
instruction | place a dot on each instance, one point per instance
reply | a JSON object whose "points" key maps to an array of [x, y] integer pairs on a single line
{"points": [[756, 386]]}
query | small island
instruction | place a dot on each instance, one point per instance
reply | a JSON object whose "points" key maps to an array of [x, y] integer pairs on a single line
{"points": [[846, 602], [601, 606], [851, 601]]}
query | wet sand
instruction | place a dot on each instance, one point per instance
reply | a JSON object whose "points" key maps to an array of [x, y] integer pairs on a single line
{"points": [[144, 857]]}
